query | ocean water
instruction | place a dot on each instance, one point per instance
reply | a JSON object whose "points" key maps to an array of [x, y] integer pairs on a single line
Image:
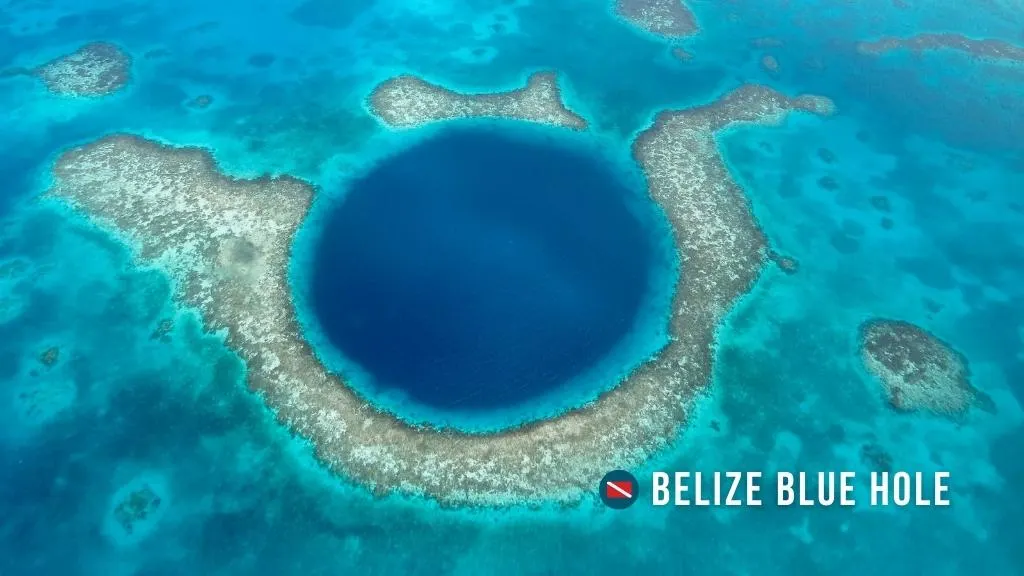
{"points": [[482, 270], [135, 400]]}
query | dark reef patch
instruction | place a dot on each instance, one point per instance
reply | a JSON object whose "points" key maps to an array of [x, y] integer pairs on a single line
{"points": [[50, 356], [261, 60], [852, 228], [933, 274], [787, 264], [843, 243], [200, 102], [476, 270], [876, 457], [881, 203], [328, 14], [828, 183], [932, 306]]}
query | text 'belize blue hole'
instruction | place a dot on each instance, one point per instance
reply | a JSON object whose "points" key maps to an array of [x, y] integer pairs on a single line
{"points": [[477, 270]]}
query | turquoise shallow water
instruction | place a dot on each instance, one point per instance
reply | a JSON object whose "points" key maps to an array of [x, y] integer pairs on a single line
{"points": [[938, 135]]}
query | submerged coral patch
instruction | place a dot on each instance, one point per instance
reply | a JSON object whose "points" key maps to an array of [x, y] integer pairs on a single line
{"points": [[226, 242], [136, 508]]}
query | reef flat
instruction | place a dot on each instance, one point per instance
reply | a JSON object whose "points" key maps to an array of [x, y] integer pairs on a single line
{"points": [[94, 70], [666, 18], [917, 370], [226, 243], [407, 101], [988, 49]]}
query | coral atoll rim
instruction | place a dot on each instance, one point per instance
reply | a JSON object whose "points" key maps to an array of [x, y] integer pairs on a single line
{"points": [[226, 243]]}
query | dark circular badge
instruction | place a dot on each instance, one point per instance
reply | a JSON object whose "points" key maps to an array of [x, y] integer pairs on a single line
{"points": [[619, 489]]}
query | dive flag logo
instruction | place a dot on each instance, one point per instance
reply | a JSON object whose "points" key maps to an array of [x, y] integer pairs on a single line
{"points": [[619, 489]]}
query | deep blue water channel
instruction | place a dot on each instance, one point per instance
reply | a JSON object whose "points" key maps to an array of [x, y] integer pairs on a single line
{"points": [[478, 270]]}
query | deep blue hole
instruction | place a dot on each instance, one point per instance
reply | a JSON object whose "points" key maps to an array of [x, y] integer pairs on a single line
{"points": [[479, 271]]}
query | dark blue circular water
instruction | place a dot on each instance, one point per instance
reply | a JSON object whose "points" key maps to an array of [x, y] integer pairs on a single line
{"points": [[479, 271]]}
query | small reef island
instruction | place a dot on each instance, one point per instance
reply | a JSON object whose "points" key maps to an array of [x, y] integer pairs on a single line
{"points": [[94, 70], [407, 101], [226, 242], [984, 49], [917, 370], [669, 19]]}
